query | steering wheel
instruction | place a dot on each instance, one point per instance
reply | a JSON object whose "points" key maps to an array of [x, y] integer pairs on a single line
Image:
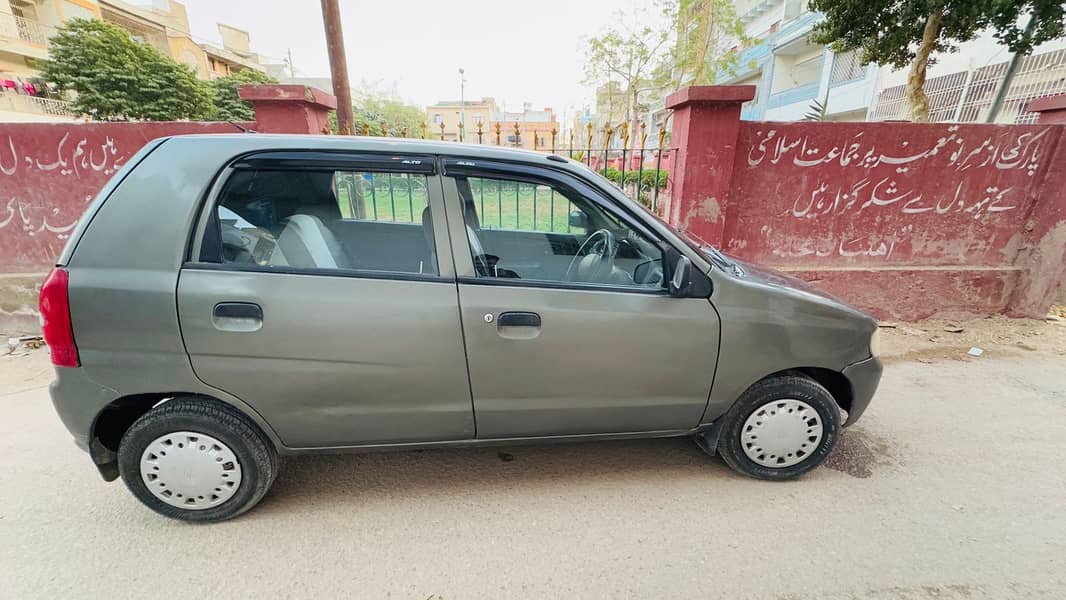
{"points": [[594, 260]]}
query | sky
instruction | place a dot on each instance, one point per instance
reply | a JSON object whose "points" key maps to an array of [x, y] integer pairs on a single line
{"points": [[513, 51]]}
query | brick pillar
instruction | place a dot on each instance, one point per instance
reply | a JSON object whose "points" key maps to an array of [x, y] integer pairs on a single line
{"points": [[706, 124], [1043, 254], [289, 108], [1052, 109]]}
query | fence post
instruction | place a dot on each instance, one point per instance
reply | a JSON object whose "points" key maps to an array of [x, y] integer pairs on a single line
{"points": [[705, 130], [289, 108]]}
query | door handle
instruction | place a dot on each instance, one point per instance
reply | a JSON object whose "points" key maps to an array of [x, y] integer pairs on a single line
{"points": [[518, 319], [237, 316]]}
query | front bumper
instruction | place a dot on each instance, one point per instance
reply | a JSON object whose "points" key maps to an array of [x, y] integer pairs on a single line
{"points": [[864, 377]]}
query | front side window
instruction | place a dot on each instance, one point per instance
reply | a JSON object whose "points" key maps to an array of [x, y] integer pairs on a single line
{"points": [[329, 219], [538, 231]]}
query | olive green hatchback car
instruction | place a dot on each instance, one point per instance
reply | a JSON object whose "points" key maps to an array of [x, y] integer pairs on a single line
{"points": [[229, 299]]}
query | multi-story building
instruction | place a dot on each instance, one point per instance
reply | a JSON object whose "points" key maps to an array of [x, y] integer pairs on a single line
{"points": [[962, 85], [790, 73], [163, 24], [535, 127], [234, 55], [26, 26], [450, 112]]}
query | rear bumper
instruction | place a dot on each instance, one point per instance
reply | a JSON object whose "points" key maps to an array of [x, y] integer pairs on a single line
{"points": [[864, 377], [78, 400]]}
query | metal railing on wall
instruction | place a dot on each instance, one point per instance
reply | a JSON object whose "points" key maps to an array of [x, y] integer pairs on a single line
{"points": [[966, 96], [629, 161], [27, 30], [35, 105]]}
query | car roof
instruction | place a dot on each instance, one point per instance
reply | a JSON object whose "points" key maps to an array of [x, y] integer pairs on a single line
{"points": [[382, 144]]}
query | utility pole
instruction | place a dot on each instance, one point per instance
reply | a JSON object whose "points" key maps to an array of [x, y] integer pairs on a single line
{"points": [[462, 105], [1008, 78], [338, 66], [292, 69]]}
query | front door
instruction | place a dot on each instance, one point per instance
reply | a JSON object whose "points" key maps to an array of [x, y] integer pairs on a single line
{"points": [[569, 329], [323, 295]]}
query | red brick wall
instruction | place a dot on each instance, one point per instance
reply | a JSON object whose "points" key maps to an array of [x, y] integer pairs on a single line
{"points": [[906, 220], [49, 172]]}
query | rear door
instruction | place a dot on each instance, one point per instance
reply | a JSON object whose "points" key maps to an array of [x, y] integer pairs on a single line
{"points": [[321, 292], [557, 342]]}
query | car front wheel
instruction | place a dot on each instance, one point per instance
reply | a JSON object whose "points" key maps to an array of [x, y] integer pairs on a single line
{"points": [[197, 460], [780, 428]]}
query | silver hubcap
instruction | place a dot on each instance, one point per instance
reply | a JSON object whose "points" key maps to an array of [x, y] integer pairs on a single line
{"points": [[781, 433], [190, 470]]}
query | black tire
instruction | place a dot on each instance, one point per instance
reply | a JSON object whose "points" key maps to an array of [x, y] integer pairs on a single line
{"points": [[767, 391], [257, 457]]}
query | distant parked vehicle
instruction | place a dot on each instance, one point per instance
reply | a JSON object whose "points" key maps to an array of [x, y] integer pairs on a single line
{"points": [[228, 299]]}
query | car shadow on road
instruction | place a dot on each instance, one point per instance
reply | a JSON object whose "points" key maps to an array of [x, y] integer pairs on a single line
{"points": [[366, 478]]}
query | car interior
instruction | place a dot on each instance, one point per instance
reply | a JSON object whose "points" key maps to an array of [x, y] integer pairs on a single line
{"points": [[294, 219]]}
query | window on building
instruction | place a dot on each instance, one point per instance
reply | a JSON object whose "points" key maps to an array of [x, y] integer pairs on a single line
{"points": [[479, 119], [847, 66], [797, 68], [436, 119]]}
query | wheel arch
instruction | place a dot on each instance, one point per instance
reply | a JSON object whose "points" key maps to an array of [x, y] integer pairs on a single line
{"points": [[835, 382], [114, 419]]}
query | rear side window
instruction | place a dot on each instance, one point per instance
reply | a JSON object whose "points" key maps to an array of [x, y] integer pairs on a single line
{"points": [[324, 219]]}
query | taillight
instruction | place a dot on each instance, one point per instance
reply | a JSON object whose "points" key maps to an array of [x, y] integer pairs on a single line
{"points": [[54, 305]]}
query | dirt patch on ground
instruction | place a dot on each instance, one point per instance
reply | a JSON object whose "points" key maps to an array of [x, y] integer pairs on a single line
{"points": [[937, 340], [858, 453]]}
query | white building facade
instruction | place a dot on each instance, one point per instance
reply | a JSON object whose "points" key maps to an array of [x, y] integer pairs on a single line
{"points": [[790, 73]]}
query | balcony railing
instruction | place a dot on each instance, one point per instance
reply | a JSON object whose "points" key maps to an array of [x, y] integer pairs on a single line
{"points": [[16, 27], [34, 105]]}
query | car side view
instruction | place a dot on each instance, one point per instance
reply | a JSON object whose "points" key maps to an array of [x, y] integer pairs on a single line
{"points": [[229, 299]]}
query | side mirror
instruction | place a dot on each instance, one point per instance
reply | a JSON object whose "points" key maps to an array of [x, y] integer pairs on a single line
{"points": [[681, 280], [578, 219]]}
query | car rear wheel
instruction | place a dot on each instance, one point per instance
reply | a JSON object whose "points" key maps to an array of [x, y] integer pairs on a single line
{"points": [[780, 428], [197, 460]]}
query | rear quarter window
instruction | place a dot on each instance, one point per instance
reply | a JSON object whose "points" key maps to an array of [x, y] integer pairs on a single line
{"points": [[333, 219]]}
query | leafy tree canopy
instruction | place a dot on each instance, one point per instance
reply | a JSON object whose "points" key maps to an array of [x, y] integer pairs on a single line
{"points": [[707, 32], [114, 78], [679, 43], [380, 111], [228, 105], [889, 31], [907, 32]]}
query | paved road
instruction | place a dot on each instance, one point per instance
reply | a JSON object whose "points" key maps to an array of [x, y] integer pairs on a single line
{"points": [[952, 486]]}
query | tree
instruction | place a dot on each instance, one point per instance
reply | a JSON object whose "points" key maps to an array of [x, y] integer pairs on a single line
{"points": [[688, 43], [228, 105], [706, 33], [907, 32], [631, 54], [114, 78], [381, 112]]}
